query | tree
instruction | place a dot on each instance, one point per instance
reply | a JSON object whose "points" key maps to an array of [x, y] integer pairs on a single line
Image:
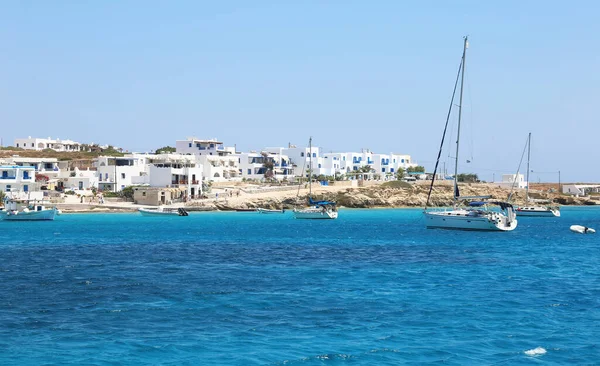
{"points": [[400, 173], [2, 196], [268, 165], [416, 169], [366, 169], [166, 150], [467, 178], [127, 193]]}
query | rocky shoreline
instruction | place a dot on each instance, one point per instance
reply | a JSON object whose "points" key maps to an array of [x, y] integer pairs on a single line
{"points": [[390, 197], [377, 196]]}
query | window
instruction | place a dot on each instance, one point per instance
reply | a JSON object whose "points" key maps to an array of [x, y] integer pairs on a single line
{"points": [[32, 145], [249, 171], [314, 155], [17, 144], [383, 170], [189, 145], [105, 176], [144, 193], [344, 158], [122, 175], [8, 188], [402, 161], [319, 166], [301, 154], [25, 188]]}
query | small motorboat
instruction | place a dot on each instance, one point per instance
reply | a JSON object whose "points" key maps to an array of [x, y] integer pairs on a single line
{"points": [[161, 211], [269, 211], [582, 229]]}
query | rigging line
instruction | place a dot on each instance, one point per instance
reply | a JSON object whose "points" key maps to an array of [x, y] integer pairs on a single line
{"points": [[512, 188], [437, 162]]}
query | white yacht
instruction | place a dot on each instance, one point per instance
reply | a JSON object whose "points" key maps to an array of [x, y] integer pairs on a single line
{"points": [[534, 209], [477, 215]]}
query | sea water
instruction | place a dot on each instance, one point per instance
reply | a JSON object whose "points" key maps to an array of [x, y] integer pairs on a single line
{"points": [[374, 287]]}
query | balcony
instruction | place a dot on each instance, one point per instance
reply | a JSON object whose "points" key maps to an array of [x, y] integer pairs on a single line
{"points": [[7, 177]]}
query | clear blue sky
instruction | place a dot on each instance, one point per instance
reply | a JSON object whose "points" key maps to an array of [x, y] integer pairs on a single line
{"points": [[353, 74]]}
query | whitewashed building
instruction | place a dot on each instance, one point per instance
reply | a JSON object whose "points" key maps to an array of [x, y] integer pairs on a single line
{"points": [[220, 163], [580, 190], [36, 143], [512, 180], [19, 182], [116, 173], [178, 171], [252, 165]]}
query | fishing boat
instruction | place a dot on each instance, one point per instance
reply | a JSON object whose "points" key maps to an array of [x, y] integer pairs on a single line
{"points": [[270, 211], [161, 211], [27, 210], [534, 209], [316, 209], [476, 215]]}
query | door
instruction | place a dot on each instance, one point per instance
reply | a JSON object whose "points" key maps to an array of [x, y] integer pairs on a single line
{"points": [[80, 185]]}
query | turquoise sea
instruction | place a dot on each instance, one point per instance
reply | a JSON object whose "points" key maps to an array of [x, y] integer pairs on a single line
{"points": [[371, 288]]}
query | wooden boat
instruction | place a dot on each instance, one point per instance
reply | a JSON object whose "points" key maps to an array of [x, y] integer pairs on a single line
{"points": [[26, 210]]}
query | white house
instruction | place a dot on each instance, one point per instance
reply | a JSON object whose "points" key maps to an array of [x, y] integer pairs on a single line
{"points": [[220, 163], [36, 143], [19, 182], [116, 173], [179, 171], [580, 189], [252, 165], [512, 180]]}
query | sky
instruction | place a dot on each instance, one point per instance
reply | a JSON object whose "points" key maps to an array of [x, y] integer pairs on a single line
{"points": [[353, 75]]}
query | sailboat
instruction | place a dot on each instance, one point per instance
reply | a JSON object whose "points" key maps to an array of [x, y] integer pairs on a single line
{"points": [[317, 209], [478, 215], [533, 209]]}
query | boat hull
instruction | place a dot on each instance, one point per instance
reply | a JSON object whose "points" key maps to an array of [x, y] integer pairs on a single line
{"points": [[315, 214], [43, 215], [537, 211], [461, 220], [153, 213], [266, 211]]}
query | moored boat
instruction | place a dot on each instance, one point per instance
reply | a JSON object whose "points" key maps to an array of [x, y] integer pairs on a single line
{"points": [[269, 211], [316, 209], [161, 211], [535, 209], [26, 210], [477, 215]]}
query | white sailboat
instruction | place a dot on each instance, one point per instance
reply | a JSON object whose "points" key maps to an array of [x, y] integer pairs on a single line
{"points": [[317, 209], [477, 215], [533, 209]]}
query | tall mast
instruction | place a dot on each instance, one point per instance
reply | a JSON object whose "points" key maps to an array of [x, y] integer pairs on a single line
{"points": [[462, 81], [528, 155], [310, 167]]}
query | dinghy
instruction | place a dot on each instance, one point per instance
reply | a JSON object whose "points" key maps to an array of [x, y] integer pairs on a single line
{"points": [[582, 229]]}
